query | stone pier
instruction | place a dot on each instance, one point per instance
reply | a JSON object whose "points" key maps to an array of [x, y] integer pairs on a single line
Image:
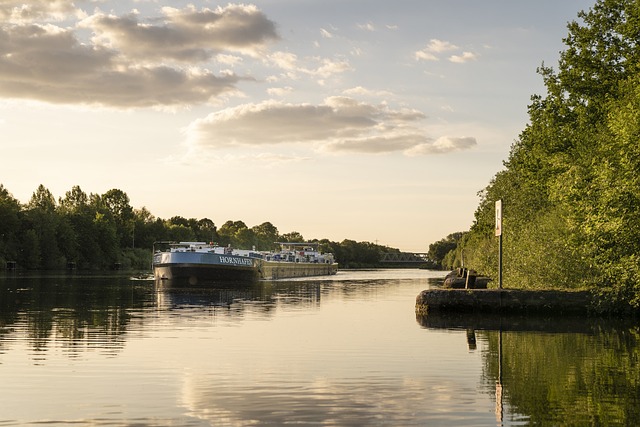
{"points": [[503, 301]]}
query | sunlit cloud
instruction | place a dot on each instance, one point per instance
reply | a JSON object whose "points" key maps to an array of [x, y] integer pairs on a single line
{"points": [[442, 145], [185, 34], [128, 63], [439, 46], [339, 125], [436, 47], [367, 27], [362, 91], [279, 91], [19, 12], [315, 67], [47, 63], [465, 57], [325, 33]]}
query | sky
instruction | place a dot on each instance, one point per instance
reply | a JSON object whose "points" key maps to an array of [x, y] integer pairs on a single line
{"points": [[368, 120]]}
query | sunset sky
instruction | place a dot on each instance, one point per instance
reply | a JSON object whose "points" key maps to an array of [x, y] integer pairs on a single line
{"points": [[367, 120]]}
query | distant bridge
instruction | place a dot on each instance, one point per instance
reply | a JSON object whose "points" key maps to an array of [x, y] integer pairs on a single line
{"points": [[404, 257]]}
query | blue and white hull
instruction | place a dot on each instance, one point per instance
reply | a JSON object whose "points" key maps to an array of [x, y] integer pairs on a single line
{"points": [[199, 263], [195, 267]]}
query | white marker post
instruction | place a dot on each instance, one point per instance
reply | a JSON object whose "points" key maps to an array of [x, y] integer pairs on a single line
{"points": [[499, 234]]}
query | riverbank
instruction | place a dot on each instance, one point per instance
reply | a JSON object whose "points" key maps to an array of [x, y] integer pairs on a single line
{"points": [[503, 301]]}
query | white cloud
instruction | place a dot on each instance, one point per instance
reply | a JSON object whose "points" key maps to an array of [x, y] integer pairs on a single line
{"points": [[361, 91], [316, 67], [465, 57], [437, 47], [231, 60], [325, 34], [329, 67], [279, 91], [425, 56], [367, 27], [340, 124], [25, 12], [445, 144], [284, 60]]}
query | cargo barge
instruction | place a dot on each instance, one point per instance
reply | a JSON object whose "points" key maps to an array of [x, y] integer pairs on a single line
{"points": [[199, 262]]}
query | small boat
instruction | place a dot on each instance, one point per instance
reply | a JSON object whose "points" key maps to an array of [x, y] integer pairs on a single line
{"points": [[200, 262]]}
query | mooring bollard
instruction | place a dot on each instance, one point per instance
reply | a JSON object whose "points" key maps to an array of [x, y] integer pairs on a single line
{"points": [[471, 281]]}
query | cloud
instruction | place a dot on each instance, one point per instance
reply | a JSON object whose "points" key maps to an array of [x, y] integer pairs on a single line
{"points": [[326, 34], [315, 67], [367, 27], [185, 34], [437, 47], [340, 124], [280, 91], [434, 47], [445, 144], [21, 12], [465, 57], [47, 63], [362, 91], [127, 63]]}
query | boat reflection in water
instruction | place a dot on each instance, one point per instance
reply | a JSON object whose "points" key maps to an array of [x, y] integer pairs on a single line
{"points": [[254, 296]]}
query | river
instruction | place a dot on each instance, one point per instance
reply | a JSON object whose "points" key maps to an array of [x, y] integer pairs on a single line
{"points": [[346, 350]]}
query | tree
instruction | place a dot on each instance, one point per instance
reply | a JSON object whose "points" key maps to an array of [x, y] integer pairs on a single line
{"points": [[75, 201], [266, 235], [206, 230], [43, 200], [292, 237], [116, 207], [43, 220], [9, 224], [439, 250], [234, 233]]}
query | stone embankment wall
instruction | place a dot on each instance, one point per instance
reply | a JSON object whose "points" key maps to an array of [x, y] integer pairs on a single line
{"points": [[503, 301]]}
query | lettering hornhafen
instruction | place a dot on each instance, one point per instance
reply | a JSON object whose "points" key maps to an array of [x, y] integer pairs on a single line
{"points": [[236, 261]]}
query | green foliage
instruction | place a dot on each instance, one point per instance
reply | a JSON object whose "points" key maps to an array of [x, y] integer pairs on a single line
{"points": [[444, 252], [571, 184]]}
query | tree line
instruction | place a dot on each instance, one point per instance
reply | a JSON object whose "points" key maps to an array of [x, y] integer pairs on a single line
{"points": [[571, 184], [103, 231]]}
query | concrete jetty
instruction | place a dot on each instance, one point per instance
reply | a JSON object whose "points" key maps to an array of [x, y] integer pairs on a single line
{"points": [[503, 301]]}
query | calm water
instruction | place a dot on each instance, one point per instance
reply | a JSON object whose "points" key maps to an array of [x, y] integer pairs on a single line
{"points": [[341, 351]]}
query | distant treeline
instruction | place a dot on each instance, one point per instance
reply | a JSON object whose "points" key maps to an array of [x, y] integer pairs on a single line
{"points": [[98, 232], [570, 188]]}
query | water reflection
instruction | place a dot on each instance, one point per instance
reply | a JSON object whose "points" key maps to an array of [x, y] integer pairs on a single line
{"points": [[344, 350], [67, 311], [555, 370], [82, 312]]}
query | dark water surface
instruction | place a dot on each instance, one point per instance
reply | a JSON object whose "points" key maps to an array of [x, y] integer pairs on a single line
{"points": [[347, 350]]}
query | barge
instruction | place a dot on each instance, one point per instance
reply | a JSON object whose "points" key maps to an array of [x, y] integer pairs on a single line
{"points": [[200, 262]]}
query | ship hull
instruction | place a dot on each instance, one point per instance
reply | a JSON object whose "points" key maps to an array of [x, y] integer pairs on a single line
{"points": [[196, 268]]}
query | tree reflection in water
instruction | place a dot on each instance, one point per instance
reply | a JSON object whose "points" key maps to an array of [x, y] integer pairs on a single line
{"points": [[557, 370]]}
